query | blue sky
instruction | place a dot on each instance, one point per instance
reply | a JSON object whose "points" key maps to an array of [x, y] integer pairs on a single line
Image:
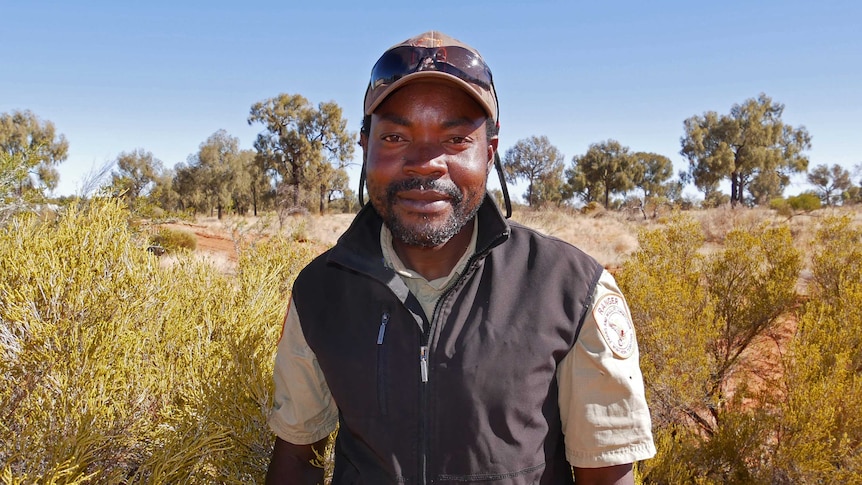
{"points": [[164, 76]]}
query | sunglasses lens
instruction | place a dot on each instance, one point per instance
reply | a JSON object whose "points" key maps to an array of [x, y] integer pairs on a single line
{"points": [[454, 60], [393, 65]]}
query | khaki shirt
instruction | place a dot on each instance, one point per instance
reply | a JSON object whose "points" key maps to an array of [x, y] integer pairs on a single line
{"points": [[602, 405]]}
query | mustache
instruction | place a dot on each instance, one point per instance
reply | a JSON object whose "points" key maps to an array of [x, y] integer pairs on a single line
{"points": [[443, 186]]}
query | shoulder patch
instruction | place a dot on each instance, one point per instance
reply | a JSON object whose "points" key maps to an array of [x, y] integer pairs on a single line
{"points": [[615, 325]]}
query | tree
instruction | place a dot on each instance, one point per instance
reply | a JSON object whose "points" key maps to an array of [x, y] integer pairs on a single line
{"points": [[297, 138], [830, 183], [136, 173], [261, 188], [36, 146], [751, 142], [766, 186], [606, 168], [220, 167], [188, 184], [163, 193], [651, 172], [541, 164]]}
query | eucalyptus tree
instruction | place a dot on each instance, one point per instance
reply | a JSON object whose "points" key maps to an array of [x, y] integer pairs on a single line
{"points": [[650, 173], [606, 168], [297, 138], [830, 183], [541, 164], [749, 145], [136, 173], [36, 148]]}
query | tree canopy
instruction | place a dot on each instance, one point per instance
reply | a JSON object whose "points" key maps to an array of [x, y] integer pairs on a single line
{"points": [[36, 146], [605, 169], [216, 177], [541, 164], [830, 183], [136, 173], [298, 140], [751, 146]]}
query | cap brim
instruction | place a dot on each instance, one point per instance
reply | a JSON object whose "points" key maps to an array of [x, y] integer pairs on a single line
{"points": [[468, 88]]}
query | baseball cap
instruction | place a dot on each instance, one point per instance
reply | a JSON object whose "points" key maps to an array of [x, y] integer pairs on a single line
{"points": [[432, 55]]}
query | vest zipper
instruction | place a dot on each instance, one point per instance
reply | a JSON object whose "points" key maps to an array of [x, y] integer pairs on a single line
{"points": [[382, 381], [423, 405], [423, 369]]}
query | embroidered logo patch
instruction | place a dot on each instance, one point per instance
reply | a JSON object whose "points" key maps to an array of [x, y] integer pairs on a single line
{"points": [[615, 325]]}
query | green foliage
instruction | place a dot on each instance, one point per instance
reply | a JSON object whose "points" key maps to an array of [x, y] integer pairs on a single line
{"points": [[540, 163], [175, 239], [135, 174], [607, 168], [675, 319], [650, 173], [838, 259], [804, 202], [820, 433], [697, 314], [307, 147], [122, 370], [830, 183], [751, 146], [34, 145], [781, 206]]}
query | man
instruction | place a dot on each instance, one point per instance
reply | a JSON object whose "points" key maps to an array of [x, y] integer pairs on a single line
{"points": [[447, 344]]}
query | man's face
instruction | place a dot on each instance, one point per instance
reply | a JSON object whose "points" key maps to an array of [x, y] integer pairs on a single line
{"points": [[427, 161]]}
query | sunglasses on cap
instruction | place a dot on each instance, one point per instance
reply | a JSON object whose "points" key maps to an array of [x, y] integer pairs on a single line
{"points": [[457, 61]]}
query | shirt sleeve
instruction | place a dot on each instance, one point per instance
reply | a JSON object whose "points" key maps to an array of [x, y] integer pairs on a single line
{"points": [[303, 411], [602, 404]]}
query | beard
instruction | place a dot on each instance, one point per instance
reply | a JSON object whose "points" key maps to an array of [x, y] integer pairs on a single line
{"points": [[428, 232]]}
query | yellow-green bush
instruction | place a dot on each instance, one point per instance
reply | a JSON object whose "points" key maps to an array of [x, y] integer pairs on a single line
{"points": [[118, 370], [174, 239], [719, 415], [820, 430], [696, 315]]}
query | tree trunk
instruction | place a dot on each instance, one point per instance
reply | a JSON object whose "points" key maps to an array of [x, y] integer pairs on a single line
{"points": [[735, 189], [254, 199], [322, 198]]}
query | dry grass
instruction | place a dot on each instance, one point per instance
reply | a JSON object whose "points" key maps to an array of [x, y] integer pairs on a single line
{"points": [[609, 236]]}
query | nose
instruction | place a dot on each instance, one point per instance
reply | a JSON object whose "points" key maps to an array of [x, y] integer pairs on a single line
{"points": [[425, 159]]}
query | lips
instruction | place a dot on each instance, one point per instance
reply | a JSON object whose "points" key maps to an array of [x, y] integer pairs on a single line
{"points": [[424, 201]]}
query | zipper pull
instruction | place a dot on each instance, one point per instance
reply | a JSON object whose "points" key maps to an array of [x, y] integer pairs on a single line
{"points": [[423, 362], [380, 333]]}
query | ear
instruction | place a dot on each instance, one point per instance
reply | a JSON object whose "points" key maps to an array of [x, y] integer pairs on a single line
{"points": [[492, 148]]}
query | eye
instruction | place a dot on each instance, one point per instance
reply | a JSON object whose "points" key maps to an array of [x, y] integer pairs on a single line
{"points": [[460, 140], [392, 138]]}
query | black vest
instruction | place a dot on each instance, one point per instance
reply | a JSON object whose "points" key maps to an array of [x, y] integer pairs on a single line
{"points": [[467, 395]]}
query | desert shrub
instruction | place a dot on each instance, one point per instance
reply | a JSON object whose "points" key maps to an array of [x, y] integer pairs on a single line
{"points": [[838, 259], [124, 371], [175, 239], [819, 436], [696, 315], [662, 283], [715, 199], [805, 202], [781, 206]]}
